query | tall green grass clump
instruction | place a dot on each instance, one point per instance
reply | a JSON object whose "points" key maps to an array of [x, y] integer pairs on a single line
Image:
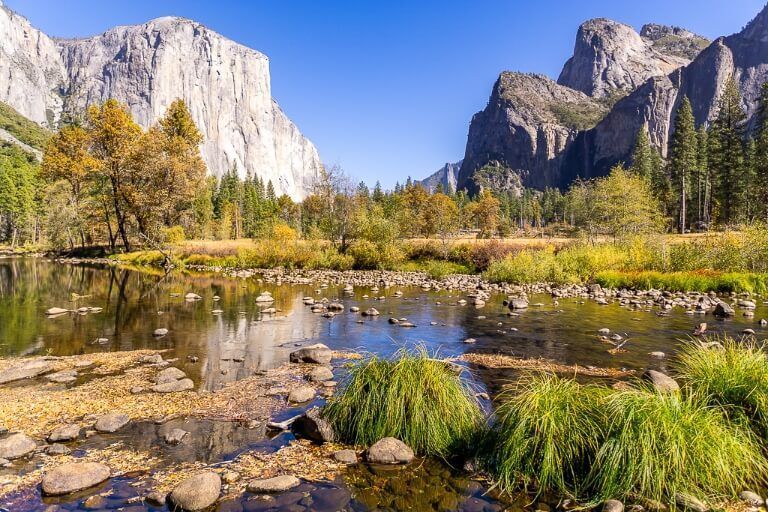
{"points": [[412, 397], [734, 377], [660, 444], [549, 430]]}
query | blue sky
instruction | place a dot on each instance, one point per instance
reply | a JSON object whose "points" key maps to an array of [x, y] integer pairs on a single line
{"points": [[387, 89]]}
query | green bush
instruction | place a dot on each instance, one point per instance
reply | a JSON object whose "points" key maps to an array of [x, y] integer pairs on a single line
{"points": [[529, 266], [547, 434], [733, 376], [660, 444], [412, 397], [370, 256], [436, 269]]}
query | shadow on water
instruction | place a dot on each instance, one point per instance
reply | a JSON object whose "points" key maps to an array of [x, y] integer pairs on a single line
{"points": [[240, 339]]}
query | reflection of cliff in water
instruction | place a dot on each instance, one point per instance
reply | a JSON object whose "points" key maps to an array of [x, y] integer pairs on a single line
{"points": [[236, 348]]}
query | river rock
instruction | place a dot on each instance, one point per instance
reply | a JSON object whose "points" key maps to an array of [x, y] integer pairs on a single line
{"points": [[518, 304], [662, 383], [74, 477], [62, 377], [58, 449], [174, 387], [320, 374], [152, 359], [313, 426], [16, 445], [175, 436], [345, 456], [156, 498], [389, 451], [28, 370], [158, 333], [371, 312], [197, 492], [722, 309], [688, 502], [275, 484], [613, 506], [192, 296], [751, 498], [301, 394], [55, 311], [170, 374], [265, 297], [111, 422], [64, 433], [317, 354]]}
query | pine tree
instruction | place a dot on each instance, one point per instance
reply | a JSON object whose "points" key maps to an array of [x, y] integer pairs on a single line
{"points": [[701, 186], [683, 160], [378, 193], [726, 152], [642, 159]]}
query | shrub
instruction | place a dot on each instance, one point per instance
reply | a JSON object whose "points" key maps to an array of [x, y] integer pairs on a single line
{"points": [[486, 253], [548, 432], [734, 377], [370, 256], [174, 234], [412, 397], [436, 269], [660, 444], [529, 266]]}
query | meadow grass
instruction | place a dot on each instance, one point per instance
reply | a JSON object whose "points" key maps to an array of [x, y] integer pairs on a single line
{"points": [[733, 377], [702, 281], [548, 431], [661, 444], [412, 397], [435, 269]]}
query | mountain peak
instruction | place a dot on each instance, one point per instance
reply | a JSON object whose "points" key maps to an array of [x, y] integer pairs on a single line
{"points": [[757, 29]]}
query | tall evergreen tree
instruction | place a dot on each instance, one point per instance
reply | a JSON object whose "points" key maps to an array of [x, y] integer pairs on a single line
{"points": [[683, 160], [726, 152], [642, 159], [701, 184]]}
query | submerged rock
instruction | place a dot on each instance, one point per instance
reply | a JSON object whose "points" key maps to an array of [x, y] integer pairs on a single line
{"points": [[197, 492], [74, 477], [275, 484], [389, 451]]}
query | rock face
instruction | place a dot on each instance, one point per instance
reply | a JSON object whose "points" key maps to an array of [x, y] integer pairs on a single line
{"points": [[544, 134], [445, 177], [610, 58], [225, 85]]}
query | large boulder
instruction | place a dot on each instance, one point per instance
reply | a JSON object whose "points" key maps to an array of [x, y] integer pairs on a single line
{"points": [[111, 422], [313, 426], [16, 445], [197, 492], [275, 484], [661, 382], [317, 354], [389, 451], [74, 477]]}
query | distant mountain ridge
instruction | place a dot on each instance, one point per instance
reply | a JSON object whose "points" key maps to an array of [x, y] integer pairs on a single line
{"points": [[548, 133], [225, 85], [446, 177]]}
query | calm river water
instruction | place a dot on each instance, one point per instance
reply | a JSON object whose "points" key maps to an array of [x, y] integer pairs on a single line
{"points": [[242, 340]]}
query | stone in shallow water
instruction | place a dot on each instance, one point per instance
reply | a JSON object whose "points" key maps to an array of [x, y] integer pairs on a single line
{"points": [[64, 433], [276, 484], [301, 394], [313, 426], [389, 451], [320, 374], [111, 422], [317, 354], [345, 456], [16, 445], [175, 436], [73, 477], [197, 492], [58, 449]]}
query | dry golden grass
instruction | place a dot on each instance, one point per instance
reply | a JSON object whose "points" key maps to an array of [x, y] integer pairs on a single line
{"points": [[543, 365]]}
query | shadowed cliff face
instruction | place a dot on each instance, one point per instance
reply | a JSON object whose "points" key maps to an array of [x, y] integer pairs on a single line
{"points": [[617, 80], [225, 85]]}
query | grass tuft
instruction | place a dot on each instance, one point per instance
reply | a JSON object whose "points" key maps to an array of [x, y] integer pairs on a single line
{"points": [[548, 432], [412, 397]]}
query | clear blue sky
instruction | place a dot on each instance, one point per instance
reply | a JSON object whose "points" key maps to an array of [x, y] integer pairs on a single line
{"points": [[387, 89]]}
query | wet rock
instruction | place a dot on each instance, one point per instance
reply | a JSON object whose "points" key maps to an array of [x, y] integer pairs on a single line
{"points": [[58, 449], [276, 484], [265, 297], [688, 502], [345, 456], [96, 502], [604, 331], [159, 333], [230, 477], [170, 374], [156, 498], [62, 377], [175, 436], [301, 394], [613, 506], [470, 340], [354, 309], [197, 492], [658, 355], [74, 477], [64, 433], [389, 451], [751, 498], [192, 296], [317, 354], [371, 312], [662, 383], [174, 387], [16, 445], [111, 422], [394, 321], [313, 426], [320, 374], [518, 304], [723, 310], [748, 332]]}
